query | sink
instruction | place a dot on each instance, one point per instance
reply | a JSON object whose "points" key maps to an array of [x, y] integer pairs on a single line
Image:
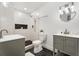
{"points": [[11, 37]]}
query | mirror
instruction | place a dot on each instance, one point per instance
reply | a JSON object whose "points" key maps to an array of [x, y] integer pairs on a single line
{"points": [[67, 12]]}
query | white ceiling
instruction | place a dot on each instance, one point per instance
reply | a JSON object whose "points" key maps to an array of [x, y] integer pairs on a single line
{"points": [[29, 5]]}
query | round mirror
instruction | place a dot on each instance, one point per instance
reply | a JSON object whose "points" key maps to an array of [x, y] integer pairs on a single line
{"points": [[67, 12]]}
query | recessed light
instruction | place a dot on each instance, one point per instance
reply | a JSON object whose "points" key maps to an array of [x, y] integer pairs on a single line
{"points": [[37, 14], [5, 4], [19, 13], [25, 8]]}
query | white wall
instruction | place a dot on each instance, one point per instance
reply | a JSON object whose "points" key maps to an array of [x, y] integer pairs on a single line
{"points": [[6, 20]]}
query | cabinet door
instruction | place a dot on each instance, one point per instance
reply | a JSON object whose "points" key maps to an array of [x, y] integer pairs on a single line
{"points": [[70, 45], [58, 42]]}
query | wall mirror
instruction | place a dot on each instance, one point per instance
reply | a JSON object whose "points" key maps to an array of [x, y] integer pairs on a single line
{"points": [[67, 12]]}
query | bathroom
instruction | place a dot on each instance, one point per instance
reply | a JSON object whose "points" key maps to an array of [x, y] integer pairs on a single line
{"points": [[37, 21]]}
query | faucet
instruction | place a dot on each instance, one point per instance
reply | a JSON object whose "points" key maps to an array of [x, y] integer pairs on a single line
{"points": [[2, 31], [66, 31]]}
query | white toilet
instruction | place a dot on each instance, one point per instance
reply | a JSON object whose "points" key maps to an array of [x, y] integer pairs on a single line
{"points": [[38, 43]]}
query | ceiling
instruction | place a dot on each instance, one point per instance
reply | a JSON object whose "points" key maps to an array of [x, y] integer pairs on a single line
{"points": [[31, 6]]}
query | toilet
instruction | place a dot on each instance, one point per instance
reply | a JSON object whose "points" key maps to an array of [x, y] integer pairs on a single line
{"points": [[38, 43]]}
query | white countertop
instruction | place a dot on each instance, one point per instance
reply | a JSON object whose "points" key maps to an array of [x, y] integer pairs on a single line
{"points": [[11, 37], [68, 35]]}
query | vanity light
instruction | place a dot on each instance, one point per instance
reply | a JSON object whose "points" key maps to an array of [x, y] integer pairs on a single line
{"points": [[68, 13], [5, 4]]}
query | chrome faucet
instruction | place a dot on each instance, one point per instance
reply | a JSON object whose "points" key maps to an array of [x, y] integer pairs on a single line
{"points": [[66, 31], [2, 31]]}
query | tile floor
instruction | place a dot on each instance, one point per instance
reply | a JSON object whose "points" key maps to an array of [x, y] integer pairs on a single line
{"points": [[44, 52]]}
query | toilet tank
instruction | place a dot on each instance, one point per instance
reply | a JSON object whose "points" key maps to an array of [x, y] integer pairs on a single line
{"points": [[42, 37]]}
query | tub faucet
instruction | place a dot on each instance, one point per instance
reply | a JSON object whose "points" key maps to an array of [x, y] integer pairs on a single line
{"points": [[2, 31]]}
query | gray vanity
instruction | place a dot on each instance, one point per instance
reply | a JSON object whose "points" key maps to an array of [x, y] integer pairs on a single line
{"points": [[12, 45], [66, 43]]}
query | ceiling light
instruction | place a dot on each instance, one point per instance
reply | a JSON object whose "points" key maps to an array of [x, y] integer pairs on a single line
{"points": [[37, 14], [5, 4], [25, 8], [19, 13]]}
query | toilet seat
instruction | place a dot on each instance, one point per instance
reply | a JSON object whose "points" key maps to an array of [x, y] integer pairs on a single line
{"points": [[36, 42]]}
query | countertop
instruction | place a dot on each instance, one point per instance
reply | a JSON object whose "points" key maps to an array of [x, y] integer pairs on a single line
{"points": [[68, 35], [11, 37]]}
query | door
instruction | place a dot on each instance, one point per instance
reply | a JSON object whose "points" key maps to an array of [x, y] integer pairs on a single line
{"points": [[70, 45], [58, 42]]}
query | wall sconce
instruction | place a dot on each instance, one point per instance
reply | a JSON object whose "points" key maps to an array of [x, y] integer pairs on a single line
{"points": [[67, 12]]}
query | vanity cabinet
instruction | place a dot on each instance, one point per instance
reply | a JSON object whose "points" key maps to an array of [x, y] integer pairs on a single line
{"points": [[66, 44], [70, 45], [58, 43]]}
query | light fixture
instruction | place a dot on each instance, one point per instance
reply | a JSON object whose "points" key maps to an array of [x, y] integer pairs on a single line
{"points": [[37, 14], [61, 10], [5, 4], [19, 13], [67, 8], [67, 12], [25, 8], [72, 8]]}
